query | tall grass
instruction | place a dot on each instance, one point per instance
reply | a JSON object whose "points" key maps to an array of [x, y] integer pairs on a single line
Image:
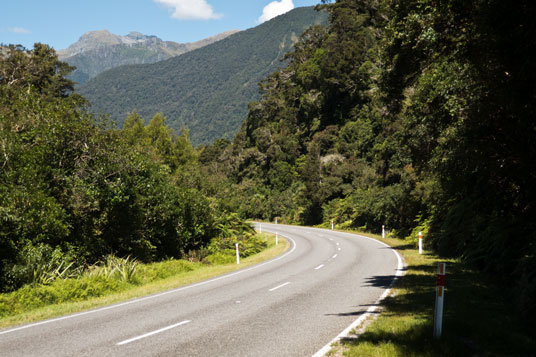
{"points": [[115, 279], [113, 267], [48, 272]]}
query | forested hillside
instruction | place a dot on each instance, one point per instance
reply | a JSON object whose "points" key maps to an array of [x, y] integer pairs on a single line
{"points": [[206, 90], [74, 190], [414, 114]]}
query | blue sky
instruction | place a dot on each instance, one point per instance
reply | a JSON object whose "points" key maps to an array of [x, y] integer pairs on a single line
{"points": [[60, 23]]}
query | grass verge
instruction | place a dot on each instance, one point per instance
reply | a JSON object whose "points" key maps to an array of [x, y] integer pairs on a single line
{"points": [[479, 319], [31, 305]]}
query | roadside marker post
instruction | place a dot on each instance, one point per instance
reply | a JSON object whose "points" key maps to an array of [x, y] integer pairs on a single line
{"points": [[260, 228], [332, 225], [237, 254], [383, 231], [420, 242], [275, 220], [440, 296]]}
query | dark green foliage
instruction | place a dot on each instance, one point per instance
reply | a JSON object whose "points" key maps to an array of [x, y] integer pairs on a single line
{"points": [[468, 121], [232, 230], [413, 114], [41, 71], [305, 140], [74, 190], [206, 90]]}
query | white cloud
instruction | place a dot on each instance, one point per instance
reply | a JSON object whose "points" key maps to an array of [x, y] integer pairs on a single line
{"points": [[275, 8], [190, 9], [20, 30]]}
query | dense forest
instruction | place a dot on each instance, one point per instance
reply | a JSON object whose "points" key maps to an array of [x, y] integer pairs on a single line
{"points": [[414, 114], [74, 189]]}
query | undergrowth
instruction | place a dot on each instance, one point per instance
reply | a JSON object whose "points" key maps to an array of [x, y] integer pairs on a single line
{"points": [[115, 274]]}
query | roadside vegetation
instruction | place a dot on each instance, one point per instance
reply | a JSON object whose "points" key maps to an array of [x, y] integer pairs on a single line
{"points": [[77, 192], [480, 318], [117, 279]]}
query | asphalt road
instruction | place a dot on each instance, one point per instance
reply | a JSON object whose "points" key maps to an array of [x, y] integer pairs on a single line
{"points": [[290, 306]]}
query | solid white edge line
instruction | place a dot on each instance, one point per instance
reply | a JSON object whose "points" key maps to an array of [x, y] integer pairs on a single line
{"points": [[153, 332], [279, 286], [399, 272], [155, 295], [319, 267]]}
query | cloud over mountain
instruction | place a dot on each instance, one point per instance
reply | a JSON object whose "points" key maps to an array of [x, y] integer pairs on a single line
{"points": [[275, 8], [190, 9]]}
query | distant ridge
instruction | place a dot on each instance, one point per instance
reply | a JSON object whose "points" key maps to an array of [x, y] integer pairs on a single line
{"points": [[98, 51], [206, 90]]}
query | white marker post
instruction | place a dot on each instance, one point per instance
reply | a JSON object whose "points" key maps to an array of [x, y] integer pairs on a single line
{"points": [[276, 238], [260, 228], [237, 254], [420, 242], [332, 225], [275, 220], [440, 296], [383, 231]]}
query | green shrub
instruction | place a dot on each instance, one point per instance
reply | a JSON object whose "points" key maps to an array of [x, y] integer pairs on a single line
{"points": [[122, 269], [222, 249], [221, 258], [423, 226], [40, 264], [165, 269]]}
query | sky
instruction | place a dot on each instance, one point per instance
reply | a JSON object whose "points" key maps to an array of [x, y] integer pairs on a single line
{"points": [[59, 23]]}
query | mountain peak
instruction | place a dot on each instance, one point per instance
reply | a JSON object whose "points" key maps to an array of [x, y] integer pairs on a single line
{"points": [[89, 41], [136, 35], [97, 51]]}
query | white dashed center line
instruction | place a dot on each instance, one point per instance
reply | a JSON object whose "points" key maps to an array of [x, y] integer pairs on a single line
{"points": [[279, 286], [319, 267], [153, 333]]}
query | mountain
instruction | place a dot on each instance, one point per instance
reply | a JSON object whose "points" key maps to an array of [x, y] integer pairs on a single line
{"points": [[98, 51], [206, 90]]}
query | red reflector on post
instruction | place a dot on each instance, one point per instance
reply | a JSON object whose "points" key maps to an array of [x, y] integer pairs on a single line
{"points": [[440, 280]]}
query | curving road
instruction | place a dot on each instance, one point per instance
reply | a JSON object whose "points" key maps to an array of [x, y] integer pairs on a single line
{"points": [[290, 306]]}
